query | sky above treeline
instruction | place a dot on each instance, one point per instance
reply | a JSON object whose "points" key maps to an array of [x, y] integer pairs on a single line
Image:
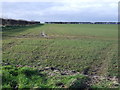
{"points": [[61, 10]]}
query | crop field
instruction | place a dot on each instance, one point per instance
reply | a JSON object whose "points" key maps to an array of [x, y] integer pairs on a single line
{"points": [[89, 49]]}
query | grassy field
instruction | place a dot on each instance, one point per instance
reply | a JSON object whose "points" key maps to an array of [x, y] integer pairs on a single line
{"points": [[88, 49]]}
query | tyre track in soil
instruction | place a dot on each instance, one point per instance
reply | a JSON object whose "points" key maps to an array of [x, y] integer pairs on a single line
{"points": [[101, 67], [99, 70]]}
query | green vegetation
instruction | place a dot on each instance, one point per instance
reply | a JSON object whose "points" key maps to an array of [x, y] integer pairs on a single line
{"points": [[26, 77], [88, 49]]}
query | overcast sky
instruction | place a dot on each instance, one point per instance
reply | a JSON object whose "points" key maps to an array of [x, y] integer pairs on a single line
{"points": [[61, 10]]}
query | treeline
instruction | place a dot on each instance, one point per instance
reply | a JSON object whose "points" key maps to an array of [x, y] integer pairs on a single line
{"points": [[13, 22], [81, 22]]}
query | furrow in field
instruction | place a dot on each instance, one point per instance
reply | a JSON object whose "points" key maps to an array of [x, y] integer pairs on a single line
{"points": [[62, 36]]}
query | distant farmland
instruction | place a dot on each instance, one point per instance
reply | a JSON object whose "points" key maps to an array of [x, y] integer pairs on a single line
{"points": [[89, 49]]}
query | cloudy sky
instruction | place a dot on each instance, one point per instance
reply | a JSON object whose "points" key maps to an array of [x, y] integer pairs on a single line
{"points": [[61, 10]]}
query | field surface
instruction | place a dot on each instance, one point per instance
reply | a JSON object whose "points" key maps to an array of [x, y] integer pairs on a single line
{"points": [[87, 49]]}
